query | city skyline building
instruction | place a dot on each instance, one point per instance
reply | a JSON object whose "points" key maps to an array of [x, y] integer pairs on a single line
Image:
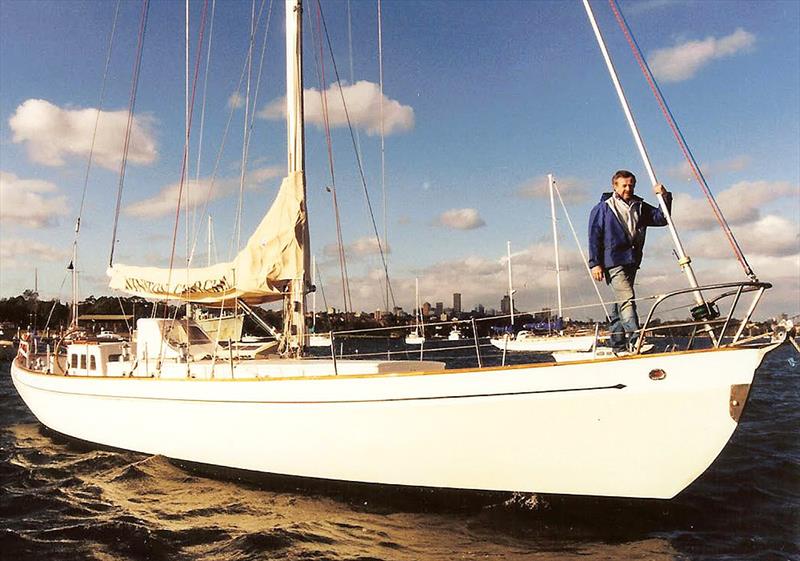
{"points": [[456, 302]]}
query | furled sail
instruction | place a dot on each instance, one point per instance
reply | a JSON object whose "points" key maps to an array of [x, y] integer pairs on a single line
{"points": [[261, 272]]}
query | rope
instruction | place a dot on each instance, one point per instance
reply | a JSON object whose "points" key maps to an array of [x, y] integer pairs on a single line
{"points": [[358, 158], [648, 74], [137, 65]]}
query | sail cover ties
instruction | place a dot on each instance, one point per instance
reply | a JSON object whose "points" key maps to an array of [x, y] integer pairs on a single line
{"points": [[260, 272]]}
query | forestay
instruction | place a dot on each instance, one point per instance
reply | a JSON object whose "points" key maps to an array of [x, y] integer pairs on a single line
{"points": [[260, 272]]}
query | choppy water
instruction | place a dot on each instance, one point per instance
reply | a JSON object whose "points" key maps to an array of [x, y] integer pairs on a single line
{"points": [[62, 500]]}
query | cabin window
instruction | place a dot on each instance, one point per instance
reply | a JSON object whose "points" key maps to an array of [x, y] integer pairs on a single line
{"points": [[92, 363], [114, 357], [83, 362], [74, 361]]}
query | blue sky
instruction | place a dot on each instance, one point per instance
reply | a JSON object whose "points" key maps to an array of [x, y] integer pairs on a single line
{"points": [[482, 99]]}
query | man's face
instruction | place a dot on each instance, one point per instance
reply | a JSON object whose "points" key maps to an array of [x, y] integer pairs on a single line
{"points": [[624, 186]]}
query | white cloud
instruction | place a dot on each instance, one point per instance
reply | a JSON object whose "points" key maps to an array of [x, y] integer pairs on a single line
{"points": [[741, 203], [683, 61], [30, 202], [461, 219], [710, 169], [18, 250], [51, 134], [235, 101], [572, 190], [166, 200], [649, 5], [363, 101], [362, 247], [769, 236]]}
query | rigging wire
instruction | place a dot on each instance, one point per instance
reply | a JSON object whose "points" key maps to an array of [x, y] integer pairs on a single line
{"points": [[250, 116], [243, 165], [100, 103], [319, 58], [358, 157], [255, 19], [137, 65], [321, 288], [185, 158], [383, 145], [203, 103], [687, 153], [350, 53], [251, 125], [220, 152], [580, 250]]}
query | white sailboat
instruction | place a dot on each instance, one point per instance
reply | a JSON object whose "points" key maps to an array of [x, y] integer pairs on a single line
{"points": [[530, 340], [417, 336], [639, 426]]}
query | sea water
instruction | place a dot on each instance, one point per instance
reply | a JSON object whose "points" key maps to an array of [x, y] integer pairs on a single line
{"points": [[65, 500]]}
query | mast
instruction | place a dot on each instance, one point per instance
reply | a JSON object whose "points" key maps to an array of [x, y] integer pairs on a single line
{"points": [[510, 284], [294, 314], [683, 260], [550, 183]]}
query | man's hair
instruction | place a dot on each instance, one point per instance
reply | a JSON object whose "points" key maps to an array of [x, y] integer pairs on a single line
{"points": [[624, 174]]}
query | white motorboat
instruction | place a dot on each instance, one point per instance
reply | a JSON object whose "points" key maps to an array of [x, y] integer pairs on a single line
{"points": [[414, 338], [455, 334]]}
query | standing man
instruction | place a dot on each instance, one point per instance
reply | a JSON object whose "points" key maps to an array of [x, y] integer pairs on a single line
{"points": [[617, 227]]}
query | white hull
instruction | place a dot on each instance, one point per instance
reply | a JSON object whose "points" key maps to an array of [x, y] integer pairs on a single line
{"points": [[545, 344], [597, 428]]}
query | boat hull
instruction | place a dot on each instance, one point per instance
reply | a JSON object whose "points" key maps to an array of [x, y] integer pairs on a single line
{"points": [[603, 428]]}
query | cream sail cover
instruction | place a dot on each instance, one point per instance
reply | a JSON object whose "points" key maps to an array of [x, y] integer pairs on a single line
{"points": [[272, 257]]}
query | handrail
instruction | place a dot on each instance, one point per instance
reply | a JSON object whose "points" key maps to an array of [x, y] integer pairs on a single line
{"points": [[739, 289]]}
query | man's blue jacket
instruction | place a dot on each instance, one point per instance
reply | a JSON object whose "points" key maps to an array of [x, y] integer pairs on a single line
{"points": [[609, 243]]}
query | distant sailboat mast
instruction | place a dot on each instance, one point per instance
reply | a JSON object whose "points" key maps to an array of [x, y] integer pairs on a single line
{"points": [[550, 183]]}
